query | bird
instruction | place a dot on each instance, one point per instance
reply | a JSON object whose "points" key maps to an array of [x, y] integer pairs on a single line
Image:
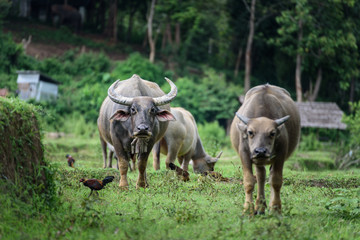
{"points": [[70, 160], [180, 172], [95, 184]]}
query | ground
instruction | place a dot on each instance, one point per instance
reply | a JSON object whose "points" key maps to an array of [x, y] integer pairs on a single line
{"points": [[42, 45]]}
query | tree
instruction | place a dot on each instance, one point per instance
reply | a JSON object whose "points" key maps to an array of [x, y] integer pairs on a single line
{"points": [[249, 45], [316, 34], [149, 30]]}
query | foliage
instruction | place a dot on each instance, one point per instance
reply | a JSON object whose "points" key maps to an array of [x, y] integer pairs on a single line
{"points": [[350, 156], [206, 98], [310, 142], [213, 137], [24, 172], [345, 204], [136, 64]]}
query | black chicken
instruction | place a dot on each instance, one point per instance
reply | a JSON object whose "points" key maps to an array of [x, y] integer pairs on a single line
{"points": [[95, 184]]}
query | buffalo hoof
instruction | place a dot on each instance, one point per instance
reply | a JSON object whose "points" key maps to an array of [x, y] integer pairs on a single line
{"points": [[275, 210], [249, 209], [124, 185], [142, 185]]}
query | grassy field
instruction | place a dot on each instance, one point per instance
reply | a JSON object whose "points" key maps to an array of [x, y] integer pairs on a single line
{"points": [[318, 202]]}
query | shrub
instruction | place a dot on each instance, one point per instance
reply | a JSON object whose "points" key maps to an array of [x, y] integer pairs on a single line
{"points": [[136, 64], [213, 137], [351, 156], [209, 99], [309, 142], [23, 168]]}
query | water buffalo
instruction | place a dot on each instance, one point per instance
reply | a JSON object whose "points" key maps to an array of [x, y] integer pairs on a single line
{"points": [[134, 116], [265, 131], [182, 140]]}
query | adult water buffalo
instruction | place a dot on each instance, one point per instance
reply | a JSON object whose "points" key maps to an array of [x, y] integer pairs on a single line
{"points": [[134, 116], [265, 131], [182, 141]]}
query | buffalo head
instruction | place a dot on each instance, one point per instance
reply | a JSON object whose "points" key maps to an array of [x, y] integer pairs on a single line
{"points": [[260, 134], [206, 163], [143, 111]]}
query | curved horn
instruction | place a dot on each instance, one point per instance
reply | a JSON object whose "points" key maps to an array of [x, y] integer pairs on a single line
{"points": [[219, 155], [282, 120], [168, 97], [117, 98], [243, 118]]}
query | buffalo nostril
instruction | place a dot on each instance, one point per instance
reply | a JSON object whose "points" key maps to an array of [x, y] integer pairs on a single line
{"points": [[260, 150], [142, 127]]}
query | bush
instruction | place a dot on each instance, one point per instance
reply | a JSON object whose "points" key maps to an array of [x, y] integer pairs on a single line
{"points": [[136, 64], [213, 137], [310, 142], [209, 99], [350, 156], [23, 168]]}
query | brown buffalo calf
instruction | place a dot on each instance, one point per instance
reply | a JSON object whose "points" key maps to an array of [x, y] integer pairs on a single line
{"points": [[265, 131]]}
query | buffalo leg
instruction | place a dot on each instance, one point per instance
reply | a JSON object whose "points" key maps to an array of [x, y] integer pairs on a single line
{"points": [[133, 163], [104, 149], [276, 180], [142, 162], [171, 154], [111, 153], [185, 162], [156, 156], [249, 182], [260, 204]]}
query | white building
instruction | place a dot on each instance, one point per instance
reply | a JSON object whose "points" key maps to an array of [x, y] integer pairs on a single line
{"points": [[34, 85]]}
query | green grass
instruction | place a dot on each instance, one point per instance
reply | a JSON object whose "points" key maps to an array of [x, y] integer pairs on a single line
{"points": [[317, 203]]}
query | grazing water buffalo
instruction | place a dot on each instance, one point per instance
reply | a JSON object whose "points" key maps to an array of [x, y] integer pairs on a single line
{"points": [[182, 140], [265, 131], [134, 116]]}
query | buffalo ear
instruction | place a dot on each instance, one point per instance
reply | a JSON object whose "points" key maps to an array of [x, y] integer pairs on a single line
{"points": [[120, 115], [165, 115], [243, 128]]}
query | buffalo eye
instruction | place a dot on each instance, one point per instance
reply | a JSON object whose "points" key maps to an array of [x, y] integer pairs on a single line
{"points": [[272, 134], [153, 110], [133, 110], [250, 133]]}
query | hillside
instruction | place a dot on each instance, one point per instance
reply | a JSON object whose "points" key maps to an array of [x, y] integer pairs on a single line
{"points": [[45, 41]]}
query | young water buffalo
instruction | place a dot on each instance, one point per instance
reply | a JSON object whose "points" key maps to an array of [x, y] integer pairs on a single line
{"points": [[265, 131], [134, 116], [182, 140]]}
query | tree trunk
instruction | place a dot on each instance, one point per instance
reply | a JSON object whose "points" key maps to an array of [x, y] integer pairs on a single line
{"points": [[238, 61], [150, 37], [315, 92], [177, 35], [249, 47], [130, 27], [352, 89], [168, 32], [111, 27], [298, 66]]}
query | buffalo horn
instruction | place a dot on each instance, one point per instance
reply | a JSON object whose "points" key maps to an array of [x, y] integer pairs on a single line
{"points": [[118, 98], [168, 97], [282, 120], [219, 155], [243, 118]]}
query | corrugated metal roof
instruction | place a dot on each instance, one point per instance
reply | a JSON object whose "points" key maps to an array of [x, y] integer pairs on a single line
{"points": [[43, 77], [320, 115]]}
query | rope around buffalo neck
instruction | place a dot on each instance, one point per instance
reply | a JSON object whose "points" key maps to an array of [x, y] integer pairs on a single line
{"points": [[139, 145]]}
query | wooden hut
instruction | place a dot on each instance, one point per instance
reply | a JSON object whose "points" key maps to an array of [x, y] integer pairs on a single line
{"points": [[321, 115]]}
